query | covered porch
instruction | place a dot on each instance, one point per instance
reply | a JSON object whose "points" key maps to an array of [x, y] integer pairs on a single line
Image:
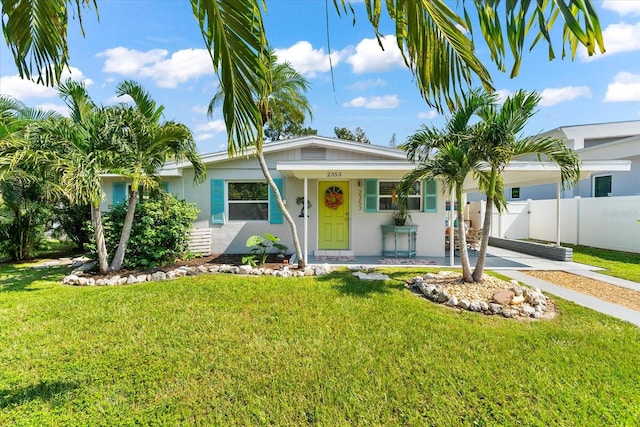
{"points": [[364, 245]]}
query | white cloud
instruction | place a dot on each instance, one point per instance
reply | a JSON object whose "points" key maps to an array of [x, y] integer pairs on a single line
{"points": [[115, 99], [203, 137], [307, 60], [622, 7], [617, 38], [22, 89], [63, 110], [553, 96], [367, 84], [431, 114], [216, 126], [129, 62], [181, 66], [200, 109], [503, 94], [75, 74], [625, 87], [369, 57], [374, 102]]}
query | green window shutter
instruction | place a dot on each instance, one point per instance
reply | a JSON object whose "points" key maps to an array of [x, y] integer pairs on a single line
{"points": [[165, 186], [371, 195], [430, 195], [275, 214], [119, 193], [217, 201]]}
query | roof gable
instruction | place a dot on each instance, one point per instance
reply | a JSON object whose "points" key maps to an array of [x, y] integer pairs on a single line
{"points": [[309, 146]]}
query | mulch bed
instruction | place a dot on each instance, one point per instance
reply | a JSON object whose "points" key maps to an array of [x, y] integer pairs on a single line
{"points": [[605, 291]]}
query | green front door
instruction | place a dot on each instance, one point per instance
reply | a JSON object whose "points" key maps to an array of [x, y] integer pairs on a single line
{"points": [[333, 215]]}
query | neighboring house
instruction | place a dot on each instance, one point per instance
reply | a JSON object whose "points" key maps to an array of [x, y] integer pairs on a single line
{"points": [[601, 141], [350, 188]]}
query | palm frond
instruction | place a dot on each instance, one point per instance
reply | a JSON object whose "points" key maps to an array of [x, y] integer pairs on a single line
{"points": [[142, 99], [234, 35], [36, 32]]}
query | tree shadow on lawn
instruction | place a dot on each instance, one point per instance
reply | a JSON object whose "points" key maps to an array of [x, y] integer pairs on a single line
{"points": [[44, 390], [348, 284], [14, 278]]}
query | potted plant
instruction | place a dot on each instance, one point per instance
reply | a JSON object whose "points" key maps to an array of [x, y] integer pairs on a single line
{"points": [[401, 215]]}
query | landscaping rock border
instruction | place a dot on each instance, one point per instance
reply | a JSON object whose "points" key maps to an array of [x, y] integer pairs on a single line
{"points": [[491, 297], [79, 276]]}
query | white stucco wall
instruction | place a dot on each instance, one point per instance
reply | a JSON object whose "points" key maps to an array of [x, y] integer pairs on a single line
{"points": [[365, 232]]}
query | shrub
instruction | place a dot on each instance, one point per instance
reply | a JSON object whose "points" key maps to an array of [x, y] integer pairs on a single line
{"points": [[74, 221], [24, 218], [160, 233]]}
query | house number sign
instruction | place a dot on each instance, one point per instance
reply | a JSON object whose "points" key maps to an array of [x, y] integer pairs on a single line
{"points": [[334, 174]]}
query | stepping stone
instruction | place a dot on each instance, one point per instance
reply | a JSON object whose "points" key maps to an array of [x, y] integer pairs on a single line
{"points": [[371, 276]]}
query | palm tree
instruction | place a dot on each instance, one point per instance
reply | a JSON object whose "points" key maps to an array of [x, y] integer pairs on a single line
{"points": [[448, 156], [82, 148], [280, 97], [497, 142], [144, 145], [437, 43], [26, 190], [68, 152]]}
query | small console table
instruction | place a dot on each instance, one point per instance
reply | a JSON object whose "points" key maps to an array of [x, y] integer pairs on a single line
{"points": [[410, 230]]}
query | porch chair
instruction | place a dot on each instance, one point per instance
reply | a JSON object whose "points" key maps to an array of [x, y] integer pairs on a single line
{"points": [[474, 237]]}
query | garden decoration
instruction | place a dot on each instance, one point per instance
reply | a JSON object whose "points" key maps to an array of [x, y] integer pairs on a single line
{"points": [[333, 197]]}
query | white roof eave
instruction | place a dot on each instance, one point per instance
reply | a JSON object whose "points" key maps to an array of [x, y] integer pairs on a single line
{"points": [[524, 173], [322, 169]]}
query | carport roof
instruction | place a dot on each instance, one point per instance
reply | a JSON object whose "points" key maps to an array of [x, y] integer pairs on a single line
{"points": [[517, 174]]}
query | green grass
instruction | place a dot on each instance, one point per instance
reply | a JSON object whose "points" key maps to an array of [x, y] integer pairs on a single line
{"points": [[230, 350], [625, 265]]}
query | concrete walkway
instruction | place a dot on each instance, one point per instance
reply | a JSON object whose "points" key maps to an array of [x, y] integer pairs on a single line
{"points": [[534, 263], [584, 300], [511, 264]]}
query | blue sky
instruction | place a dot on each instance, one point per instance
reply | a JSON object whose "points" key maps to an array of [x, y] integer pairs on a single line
{"points": [[158, 44]]}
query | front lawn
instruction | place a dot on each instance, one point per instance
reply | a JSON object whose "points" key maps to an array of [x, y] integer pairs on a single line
{"points": [[625, 265], [233, 350]]}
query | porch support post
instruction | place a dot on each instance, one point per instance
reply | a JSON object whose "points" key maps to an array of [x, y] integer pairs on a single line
{"points": [[452, 237], [558, 214], [306, 219]]}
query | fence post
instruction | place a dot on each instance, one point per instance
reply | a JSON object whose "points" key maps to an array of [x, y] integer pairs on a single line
{"points": [[578, 219], [558, 214], [529, 218]]}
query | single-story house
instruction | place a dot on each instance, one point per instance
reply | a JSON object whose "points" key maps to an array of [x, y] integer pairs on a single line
{"points": [[340, 193], [349, 188]]}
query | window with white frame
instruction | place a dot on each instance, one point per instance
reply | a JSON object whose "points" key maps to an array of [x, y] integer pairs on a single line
{"points": [[248, 201], [388, 196], [602, 186]]}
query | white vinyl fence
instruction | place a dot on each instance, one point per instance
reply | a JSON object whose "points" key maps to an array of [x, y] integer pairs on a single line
{"points": [[602, 222]]}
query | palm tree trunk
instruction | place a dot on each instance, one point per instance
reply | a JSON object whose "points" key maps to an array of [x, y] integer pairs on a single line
{"points": [[118, 258], [296, 242], [101, 247], [484, 243], [462, 238], [486, 229]]}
